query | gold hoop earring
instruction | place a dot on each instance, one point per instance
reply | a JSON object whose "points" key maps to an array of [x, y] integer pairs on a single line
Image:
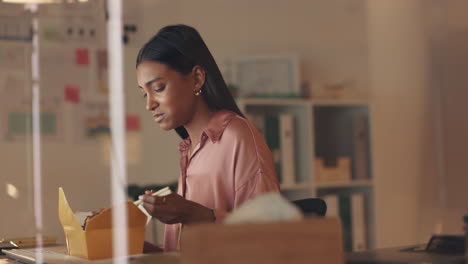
{"points": [[197, 93]]}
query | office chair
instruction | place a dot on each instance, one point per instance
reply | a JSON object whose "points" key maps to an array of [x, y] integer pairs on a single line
{"points": [[309, 207], [312, 206]]}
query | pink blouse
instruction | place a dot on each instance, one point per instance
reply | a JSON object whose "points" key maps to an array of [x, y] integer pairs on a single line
{"points": [[231, 164]]}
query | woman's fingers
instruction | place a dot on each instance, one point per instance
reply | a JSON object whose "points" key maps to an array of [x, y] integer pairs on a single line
{"points": [[149, 208], [157, 206], [154, 199], [173, 208]]}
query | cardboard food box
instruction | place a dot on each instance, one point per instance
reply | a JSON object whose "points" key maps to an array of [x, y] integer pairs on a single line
{"points": [[95, 242]]}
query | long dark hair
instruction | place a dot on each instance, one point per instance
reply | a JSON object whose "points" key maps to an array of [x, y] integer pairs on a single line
{"points": [[181, 47]]}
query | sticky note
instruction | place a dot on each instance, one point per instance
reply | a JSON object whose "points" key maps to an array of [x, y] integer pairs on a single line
{"points": [[132, 123], [48, 124], [102, 59], [20, 123], [72, 94], [82, 57]]}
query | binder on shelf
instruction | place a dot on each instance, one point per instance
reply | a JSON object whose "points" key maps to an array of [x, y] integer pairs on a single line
{"points": [[272, 137], [332, 205], [258, 121], [358, 222], [361, 147], [278, 130], [345, 215], [288, 172], [350, 208]]}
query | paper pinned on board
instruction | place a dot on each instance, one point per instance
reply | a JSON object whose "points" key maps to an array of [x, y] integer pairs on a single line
{"points": [[72, 94]]}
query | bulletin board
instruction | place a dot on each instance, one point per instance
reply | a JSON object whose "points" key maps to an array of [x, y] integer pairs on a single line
{"points": [[73, 76]]}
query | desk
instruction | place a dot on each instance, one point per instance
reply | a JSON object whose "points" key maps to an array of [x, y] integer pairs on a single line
{"points": [[59, 249], [378, 256], [395, 255], [159, 258]]}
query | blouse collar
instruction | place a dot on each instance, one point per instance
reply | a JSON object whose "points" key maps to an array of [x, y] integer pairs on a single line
{"points": [[214, 130]]}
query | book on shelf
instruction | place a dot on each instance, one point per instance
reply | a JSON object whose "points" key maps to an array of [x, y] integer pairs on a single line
{"points": [[278, 130], [345, 215], [360, 147], [258, 121], [272, 137], [351, 210], [288, 170], [332, 205], [358, 222]]}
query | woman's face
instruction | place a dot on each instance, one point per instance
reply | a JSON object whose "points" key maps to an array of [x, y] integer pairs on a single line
{"points": [[169, 94]]}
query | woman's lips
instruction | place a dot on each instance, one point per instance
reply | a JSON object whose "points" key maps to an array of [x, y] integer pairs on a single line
{"points": [[158, 117]]}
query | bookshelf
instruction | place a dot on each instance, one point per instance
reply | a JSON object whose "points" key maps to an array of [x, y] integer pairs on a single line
{"points": [[327, 129], [344, 184]]}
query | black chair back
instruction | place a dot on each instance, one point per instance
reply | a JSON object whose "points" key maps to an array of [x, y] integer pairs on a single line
{"points": [[312, 206]]}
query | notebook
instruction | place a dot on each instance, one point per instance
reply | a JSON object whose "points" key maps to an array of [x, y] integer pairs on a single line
{"points": [[28, 256]]}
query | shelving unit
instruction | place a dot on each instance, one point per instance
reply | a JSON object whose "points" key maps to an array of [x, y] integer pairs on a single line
{"points": [[324, 128], [345, 184]]}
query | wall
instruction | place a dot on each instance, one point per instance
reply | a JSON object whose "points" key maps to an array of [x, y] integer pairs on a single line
{"points": [[402, 123], [418, 77], [329, 36], [448, 36]]}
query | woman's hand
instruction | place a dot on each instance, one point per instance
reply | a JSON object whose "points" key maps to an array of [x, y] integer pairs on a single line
{"points": [[173, 209], [150, 248]]}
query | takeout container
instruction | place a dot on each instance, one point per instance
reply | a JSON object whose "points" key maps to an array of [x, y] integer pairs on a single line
{"points": [[95, 242]]}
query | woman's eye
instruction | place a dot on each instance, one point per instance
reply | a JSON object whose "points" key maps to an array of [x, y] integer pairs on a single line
{"points": [[144, 95], [158, 90]]}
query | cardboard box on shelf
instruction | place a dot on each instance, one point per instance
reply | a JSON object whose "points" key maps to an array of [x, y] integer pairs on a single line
{"points": [[340, 172], [95, 241]]}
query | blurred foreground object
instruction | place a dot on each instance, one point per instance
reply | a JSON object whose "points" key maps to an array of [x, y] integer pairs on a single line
{"points": [[314, 240], [95, 241], [268, 207]]}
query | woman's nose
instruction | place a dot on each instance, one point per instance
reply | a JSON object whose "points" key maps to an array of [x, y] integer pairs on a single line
{"points": [[151, 104]]}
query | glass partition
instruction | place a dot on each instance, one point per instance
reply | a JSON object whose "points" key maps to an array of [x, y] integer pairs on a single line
{"points": [[375, 109]]}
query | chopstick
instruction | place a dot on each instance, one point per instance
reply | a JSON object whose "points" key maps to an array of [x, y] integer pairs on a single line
{"points": [[163, 192]]}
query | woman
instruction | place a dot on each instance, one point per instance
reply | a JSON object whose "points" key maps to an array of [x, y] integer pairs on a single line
{"points": [[224, 160]]}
